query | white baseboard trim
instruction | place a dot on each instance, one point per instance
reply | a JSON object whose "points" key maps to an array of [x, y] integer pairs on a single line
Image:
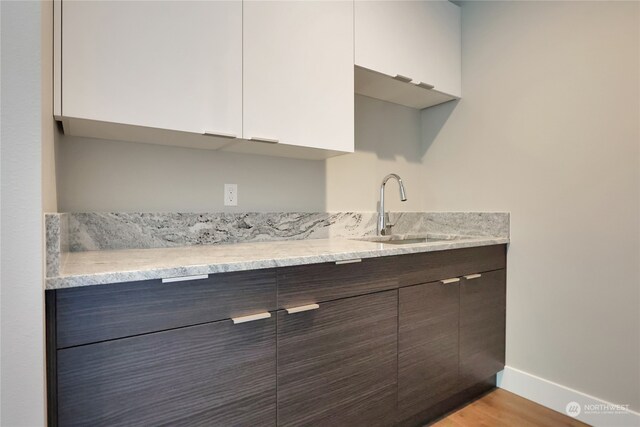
{"points": [[591, 410]]}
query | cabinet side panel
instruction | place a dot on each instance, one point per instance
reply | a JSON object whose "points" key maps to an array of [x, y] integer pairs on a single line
{"points": [[51, 353], [57, 58]]}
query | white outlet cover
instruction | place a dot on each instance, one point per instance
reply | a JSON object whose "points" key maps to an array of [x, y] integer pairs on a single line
{"points": [[231, 194]]}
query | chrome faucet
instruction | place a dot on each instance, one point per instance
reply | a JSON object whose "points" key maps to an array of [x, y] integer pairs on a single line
{"points": [[384, 228]]}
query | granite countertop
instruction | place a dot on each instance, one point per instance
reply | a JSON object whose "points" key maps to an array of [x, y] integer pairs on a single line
{"points": [[112, 266]]}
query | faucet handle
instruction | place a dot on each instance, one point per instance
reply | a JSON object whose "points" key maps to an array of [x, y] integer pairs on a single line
{"points": [[388, 225]]}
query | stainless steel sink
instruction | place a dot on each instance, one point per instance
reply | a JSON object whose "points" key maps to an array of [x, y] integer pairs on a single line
{"points": [[413, 241], [399, 240]]}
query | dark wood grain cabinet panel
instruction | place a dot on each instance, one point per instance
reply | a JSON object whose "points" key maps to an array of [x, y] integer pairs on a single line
{"points": [[432, 266], [98, 313], [337, 365], [427, 346], [307, 284], [213, 374], [52, 360], [482, 326]]}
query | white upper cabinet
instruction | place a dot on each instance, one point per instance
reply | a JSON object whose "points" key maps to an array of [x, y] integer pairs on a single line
{"points": [[173, 65], [416, 40], [276, 76], [298, 74], [167, 72]]}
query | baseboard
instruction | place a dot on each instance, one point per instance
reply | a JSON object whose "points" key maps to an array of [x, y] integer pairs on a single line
{"points": [[588, 409]]}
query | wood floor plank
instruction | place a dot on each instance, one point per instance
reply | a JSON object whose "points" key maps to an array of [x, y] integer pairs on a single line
{"points": [[500, 408]]}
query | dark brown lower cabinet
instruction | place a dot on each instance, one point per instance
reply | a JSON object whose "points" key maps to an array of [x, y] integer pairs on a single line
{"points": [[482, 326], [212, 374], [451, 338], [427, 346], [337, 365], [364, 355]]}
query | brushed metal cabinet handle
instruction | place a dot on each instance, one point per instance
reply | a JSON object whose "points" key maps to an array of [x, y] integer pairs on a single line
{"points": [[403, 78], [425, 85], [302, 308], [251, 318], [473, 276], [264, 140], [184, 278], [348, 261], [450, 281], [220, 134]]}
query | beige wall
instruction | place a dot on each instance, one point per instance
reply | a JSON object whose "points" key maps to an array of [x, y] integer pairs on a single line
{"points": [[548, 128], [22, 391], [387, 140], [98, 175]]}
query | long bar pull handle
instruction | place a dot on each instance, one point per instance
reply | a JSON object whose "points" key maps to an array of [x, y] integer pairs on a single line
{"points": [[184, 278], [425, 85], [302, 308], [403, 78], [264, 140], [251, 318], [450, 281], [220, 134], [348, 261], [473, 276]]}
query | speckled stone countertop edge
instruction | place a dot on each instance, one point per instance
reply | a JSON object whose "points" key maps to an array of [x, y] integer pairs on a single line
{"points": [[116, 269]]}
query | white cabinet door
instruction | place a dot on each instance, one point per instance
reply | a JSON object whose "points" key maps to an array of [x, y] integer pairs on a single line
{"points": [[165, 64], [416, 39], [298, 73]]}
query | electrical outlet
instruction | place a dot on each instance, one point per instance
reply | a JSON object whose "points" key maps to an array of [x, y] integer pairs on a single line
{"points": [[231, 194]]}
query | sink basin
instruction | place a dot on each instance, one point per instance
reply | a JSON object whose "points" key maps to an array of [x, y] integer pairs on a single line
{"points": [[400, 240], [413, 241]]}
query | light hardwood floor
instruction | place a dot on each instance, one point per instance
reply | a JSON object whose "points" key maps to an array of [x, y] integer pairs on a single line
{"points": [[500, 408]]}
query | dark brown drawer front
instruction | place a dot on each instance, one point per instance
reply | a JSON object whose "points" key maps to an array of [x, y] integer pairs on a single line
{"points": [[309, 284], [216, 374], [432, 266], [98, 313]]}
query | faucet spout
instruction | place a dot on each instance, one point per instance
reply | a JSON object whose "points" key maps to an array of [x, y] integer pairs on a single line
{"points": [[383, 226]]}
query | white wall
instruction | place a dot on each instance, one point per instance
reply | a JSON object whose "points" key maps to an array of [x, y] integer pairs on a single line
{"points": [[21, 304], [549, 129]]}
